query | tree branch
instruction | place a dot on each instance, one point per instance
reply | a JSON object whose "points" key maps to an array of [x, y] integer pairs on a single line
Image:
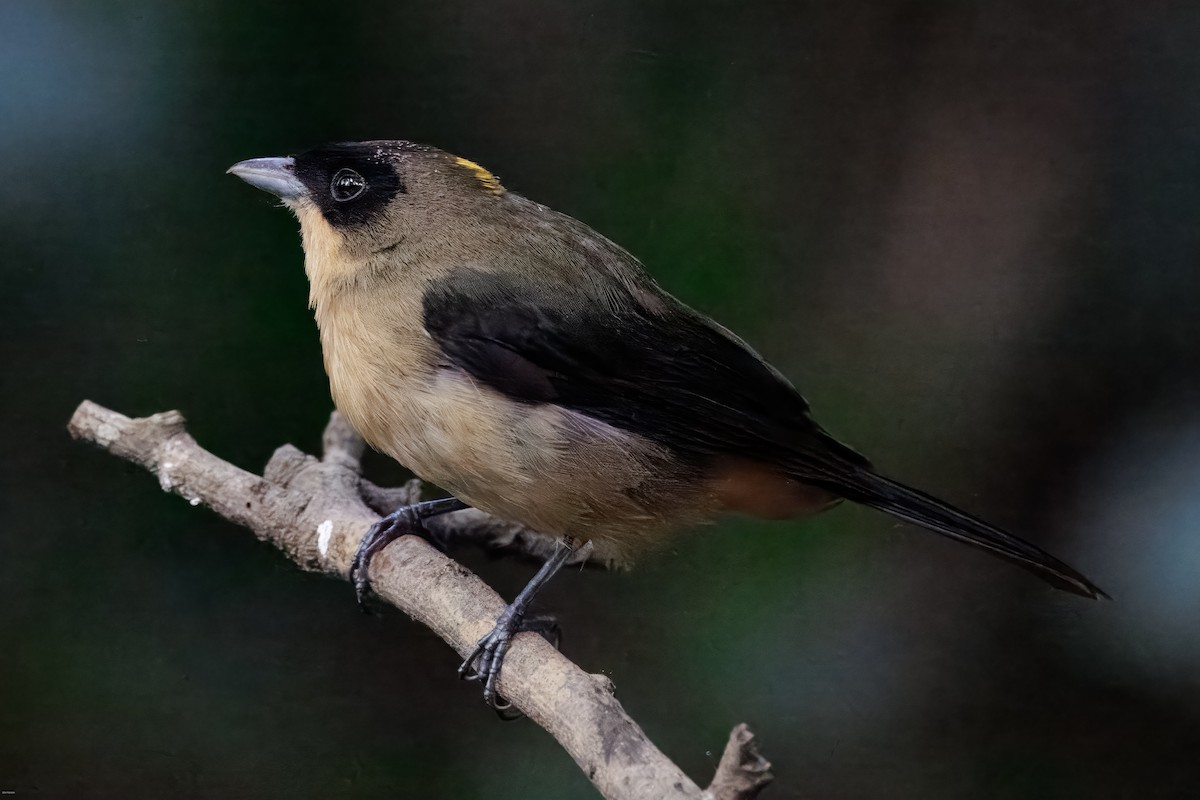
{"points": [[316, 511]]}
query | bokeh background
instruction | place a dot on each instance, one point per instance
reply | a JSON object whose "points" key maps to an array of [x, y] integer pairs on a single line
{"points": [[970, 232]]}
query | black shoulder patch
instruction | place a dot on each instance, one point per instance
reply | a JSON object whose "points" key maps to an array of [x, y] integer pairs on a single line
{"points": [[492, 341]]}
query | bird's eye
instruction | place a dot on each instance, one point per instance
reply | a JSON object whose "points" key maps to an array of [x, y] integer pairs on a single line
{"points": [[347, 185]]}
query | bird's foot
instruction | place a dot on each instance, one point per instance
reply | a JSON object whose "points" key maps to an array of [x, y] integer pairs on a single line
{"points": [[404, 521], [487, 658]]}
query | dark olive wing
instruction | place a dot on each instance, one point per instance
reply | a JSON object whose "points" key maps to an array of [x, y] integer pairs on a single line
{"points": [[672, 377]]}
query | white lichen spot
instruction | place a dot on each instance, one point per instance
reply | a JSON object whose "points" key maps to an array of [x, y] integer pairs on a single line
{"points": [[106, 434], [324, 534], [164, 476]]}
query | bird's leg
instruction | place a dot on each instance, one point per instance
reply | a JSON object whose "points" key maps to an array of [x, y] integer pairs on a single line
{"points": [[487, 658], [404, 521]]}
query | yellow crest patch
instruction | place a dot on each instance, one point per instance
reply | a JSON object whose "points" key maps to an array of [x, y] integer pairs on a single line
{"points": [[489, 181]]}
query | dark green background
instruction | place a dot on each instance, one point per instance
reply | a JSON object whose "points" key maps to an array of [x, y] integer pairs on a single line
{"points": [[970, 232]]}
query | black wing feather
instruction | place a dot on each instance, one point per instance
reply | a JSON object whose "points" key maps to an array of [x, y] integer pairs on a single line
{"points": [[679, 381]]}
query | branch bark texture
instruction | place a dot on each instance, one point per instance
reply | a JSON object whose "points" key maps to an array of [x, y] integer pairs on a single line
{"points": [[317, 510]]}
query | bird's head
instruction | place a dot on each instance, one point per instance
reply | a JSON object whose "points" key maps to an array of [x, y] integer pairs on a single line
{"points": [[360, 202]]}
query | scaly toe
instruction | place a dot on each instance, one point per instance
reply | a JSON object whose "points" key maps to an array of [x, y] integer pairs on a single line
{"points": [[469, 670]]}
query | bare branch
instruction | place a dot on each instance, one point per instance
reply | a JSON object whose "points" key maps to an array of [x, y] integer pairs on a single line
{"points": [[742, 773], [315, 511]]}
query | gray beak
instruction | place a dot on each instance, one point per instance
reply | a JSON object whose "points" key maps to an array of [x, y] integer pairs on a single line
{"points": [[274, 175]]}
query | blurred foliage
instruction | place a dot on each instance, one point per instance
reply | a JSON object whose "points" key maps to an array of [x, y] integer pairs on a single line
{"points": [[969, 232]]}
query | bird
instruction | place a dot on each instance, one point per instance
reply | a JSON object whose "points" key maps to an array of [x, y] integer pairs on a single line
{"points": [[533, 369]]}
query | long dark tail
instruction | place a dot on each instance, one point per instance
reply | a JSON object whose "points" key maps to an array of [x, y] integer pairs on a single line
{"points": [[874, 490]]}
